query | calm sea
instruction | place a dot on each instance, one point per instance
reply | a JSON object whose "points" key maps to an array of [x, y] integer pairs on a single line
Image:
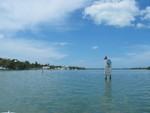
{"points": [[83, 91]]}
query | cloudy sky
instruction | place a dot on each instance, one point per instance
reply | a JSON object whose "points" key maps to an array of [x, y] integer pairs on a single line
{"points": [[76, 32]]}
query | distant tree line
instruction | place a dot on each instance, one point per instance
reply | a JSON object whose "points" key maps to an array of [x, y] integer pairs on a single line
{"points": [[14, 64], [148, 67], [141, 68]]}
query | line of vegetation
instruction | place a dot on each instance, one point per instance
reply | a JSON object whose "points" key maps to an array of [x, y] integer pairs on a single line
{"points": [[14, 64], [148, 67], [141, 68]]}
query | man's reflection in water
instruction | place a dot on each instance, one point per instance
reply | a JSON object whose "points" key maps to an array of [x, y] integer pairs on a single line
{"points": [[108, 91]]}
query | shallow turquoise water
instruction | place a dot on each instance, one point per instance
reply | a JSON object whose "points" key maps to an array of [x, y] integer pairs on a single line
{"points": [[83, 91]]}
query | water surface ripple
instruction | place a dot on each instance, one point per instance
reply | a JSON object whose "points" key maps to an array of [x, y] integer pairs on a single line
{"points": [[73, 91]]}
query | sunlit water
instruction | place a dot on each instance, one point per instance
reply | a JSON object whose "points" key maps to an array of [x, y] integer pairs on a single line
{"points": [[75, 91]]}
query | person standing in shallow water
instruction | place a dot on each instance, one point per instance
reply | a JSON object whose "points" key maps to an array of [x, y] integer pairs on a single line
{"points": [[107, 70]]}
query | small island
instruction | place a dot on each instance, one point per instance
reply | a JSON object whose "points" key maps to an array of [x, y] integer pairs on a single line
{"points": [[14, 64]]}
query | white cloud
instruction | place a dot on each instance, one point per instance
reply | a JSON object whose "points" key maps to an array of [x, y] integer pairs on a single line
{"points": [[140, 25], [61, 43], [29, 50], [18, 14], [28, 14], [139, 57], [1, 36], [95, 47], [136, 56], [119, 13], [146, 13], [88, 63]]}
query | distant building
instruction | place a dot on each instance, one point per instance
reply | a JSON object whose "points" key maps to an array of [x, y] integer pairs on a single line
{"points": [[65, 68], [45, 67], [2, 68], [15, 60]]}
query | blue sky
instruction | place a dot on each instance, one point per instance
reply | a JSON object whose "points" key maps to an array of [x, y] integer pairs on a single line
{"points": [[76, 32]]}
